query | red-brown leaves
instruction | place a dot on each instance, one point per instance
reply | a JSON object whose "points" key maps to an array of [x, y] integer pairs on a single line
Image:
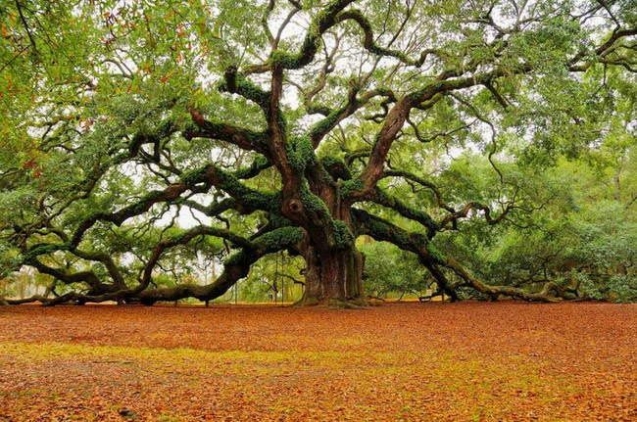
{"points": [[470, 361]]}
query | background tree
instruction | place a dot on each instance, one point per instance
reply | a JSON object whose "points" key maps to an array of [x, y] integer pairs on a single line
{"points": [[134, 131], [391, 270]]}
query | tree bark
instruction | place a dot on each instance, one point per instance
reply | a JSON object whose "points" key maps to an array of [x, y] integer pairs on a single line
{"points": [[333, 278]]}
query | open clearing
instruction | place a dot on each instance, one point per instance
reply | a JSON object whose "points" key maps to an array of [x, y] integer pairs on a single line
{"points": [[415, 362]]}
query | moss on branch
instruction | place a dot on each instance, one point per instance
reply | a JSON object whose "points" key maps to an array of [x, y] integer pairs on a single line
{"points": [[259, 164], [44, 249], [300, 153], [236, 83], [369, 39], [312, 203], [342, 235], [406, 211], [278, 239], [350, 187], [229, 183], [324, 20]]}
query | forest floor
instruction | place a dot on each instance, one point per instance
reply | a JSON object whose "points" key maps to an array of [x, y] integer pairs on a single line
{"points": [[506, 361]]}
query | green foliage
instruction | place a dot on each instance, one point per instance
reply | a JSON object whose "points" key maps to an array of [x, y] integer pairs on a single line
{"points": [[582, 237], [347, 187], [127, 124], [280, 238], [343, 236], [300, 153], [388, 269], [622, 288]]}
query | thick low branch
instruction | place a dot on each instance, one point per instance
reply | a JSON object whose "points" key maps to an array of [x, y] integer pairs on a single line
{"points": [[432, 259], [494, 291], [416, 243], [108, 262], [87, 277], [236, 267], [199, 180], [182, 239]]}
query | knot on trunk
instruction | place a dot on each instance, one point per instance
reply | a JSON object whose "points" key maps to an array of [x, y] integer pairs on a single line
{"points": [[295, 206]]}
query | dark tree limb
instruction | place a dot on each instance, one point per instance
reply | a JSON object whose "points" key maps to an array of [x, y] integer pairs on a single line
{"points": [[236, 267], [198, 181], [243, 138], [472, 206], [382, 198], [424, 183], [354, 103], [433, 260]]}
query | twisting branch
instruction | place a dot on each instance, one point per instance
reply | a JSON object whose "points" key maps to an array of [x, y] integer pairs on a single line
{"points": [[370, 44], [406, 211], [425, 183], [576, 65], [235, 82], [354, 103], [311, 43], [284, 24], [243, 138], [434, 260], [427, 139], [321, 81], [479, 116], [236, 267], [197, 181], [472, 206], [183, 239]]}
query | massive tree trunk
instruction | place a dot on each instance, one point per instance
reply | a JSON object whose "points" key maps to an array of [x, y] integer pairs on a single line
{"points": [[334, 267], [333, 277]]}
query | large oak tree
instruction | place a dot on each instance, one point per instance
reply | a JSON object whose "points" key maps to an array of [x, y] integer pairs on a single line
{"points": [[284, 125]]}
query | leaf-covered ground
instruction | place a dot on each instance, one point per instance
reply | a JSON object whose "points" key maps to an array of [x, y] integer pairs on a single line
{"points": [[414, 362]]}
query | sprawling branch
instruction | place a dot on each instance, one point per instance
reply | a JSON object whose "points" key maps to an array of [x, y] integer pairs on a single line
{"points": [[311, 43], [419, 244], [243, 138], [422, 182], [171, 193], [370, 44], [433, 259], [237, 83], [354, 103], [236, 267], [475, 206], [182, 239], [382, 198], [196, 181]]}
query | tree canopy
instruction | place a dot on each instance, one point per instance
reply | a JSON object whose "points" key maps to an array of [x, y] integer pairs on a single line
{"points": [[138, 137]]}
